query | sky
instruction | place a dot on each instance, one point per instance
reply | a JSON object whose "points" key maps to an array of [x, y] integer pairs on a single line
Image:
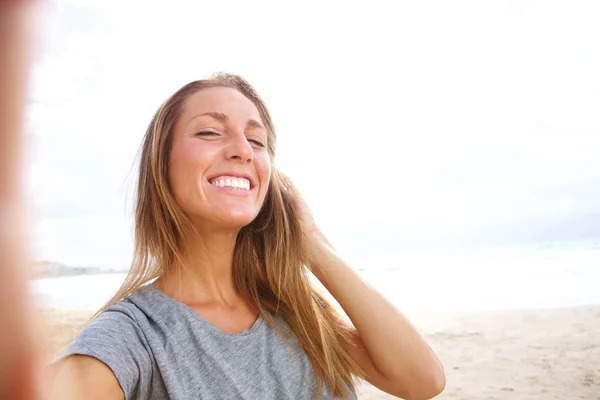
{"points": [[407, 125]]}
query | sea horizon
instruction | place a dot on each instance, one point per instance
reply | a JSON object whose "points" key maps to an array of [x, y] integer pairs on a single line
{"points": [[534, 277]]}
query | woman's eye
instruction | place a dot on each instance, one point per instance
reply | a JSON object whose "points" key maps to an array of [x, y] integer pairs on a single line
{"points": [[257, 142], [207, 133]]}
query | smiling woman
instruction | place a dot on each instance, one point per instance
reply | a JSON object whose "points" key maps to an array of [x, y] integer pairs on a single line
{"points": [[219, 302]]}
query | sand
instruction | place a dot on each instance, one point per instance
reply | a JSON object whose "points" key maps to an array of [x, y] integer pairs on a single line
{"points": [[520, 354]]}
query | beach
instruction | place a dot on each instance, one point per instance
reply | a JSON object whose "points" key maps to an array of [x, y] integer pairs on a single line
{"points": [[511, 354]]}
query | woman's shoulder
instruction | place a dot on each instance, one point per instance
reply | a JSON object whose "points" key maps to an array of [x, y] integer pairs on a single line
{"points": [[115, 329], [118, 337], [123, 316], [118, 328]]}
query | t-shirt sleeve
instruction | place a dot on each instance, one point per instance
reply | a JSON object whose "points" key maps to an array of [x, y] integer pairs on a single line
{"points": [[117, 340]]}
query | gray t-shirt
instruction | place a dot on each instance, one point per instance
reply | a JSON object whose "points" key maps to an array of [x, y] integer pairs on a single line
{"points": [[159, 348]]}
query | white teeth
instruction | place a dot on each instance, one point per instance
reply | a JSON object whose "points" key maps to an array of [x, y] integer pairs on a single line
{"points": [[236, 183]]}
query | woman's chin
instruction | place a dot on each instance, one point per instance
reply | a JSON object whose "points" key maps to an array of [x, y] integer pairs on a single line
{"points": [[237, 221], [232, 219]]}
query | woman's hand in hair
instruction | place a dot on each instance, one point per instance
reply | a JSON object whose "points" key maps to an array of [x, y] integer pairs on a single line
{"points": [[314, 236]]}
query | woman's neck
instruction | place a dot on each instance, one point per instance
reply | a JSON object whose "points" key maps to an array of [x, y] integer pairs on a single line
{"points": [[204, 272]]}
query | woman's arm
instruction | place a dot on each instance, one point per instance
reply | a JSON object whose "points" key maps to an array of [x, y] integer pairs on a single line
{"points": [[391, 352], [82, 377], [77, 377], [17, 354], [388, 348]]}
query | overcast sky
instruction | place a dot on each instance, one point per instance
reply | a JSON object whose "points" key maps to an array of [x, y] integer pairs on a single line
{"points": [[414, 124]]}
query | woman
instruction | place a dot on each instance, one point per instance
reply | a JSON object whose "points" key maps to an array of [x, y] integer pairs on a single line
{"points": [[227, 244]]}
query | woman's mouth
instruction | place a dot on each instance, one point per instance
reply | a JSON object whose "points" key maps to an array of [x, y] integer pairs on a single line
{"points": [[231, 182]]}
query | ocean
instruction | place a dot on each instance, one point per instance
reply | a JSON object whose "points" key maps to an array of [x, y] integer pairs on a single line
{"points": [[542, 276]]}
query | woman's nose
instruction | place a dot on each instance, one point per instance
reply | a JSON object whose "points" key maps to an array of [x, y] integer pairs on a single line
{"points": [[239, 149]]}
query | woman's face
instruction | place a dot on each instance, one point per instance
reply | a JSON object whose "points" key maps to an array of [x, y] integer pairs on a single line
{"points": [[219, 168]]}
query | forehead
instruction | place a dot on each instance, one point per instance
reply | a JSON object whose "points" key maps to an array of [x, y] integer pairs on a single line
{"points": [[222, 100]]}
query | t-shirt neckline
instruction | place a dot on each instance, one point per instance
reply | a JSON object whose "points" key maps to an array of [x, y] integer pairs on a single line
{"points": [[255, 326]]}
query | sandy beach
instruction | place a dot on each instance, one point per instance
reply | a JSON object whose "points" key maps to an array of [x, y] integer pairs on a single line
{"points": [[520, 354]]}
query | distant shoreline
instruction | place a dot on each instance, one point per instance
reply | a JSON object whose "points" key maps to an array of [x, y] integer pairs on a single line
{"points": [[47, 269]]}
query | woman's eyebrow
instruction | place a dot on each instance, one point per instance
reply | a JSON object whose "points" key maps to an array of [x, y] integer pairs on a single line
{"points": [[224, 118], [255, 124], [214, 114]]}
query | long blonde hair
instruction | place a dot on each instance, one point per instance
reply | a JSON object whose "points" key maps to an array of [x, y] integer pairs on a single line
{"points": [[271, 263]]}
